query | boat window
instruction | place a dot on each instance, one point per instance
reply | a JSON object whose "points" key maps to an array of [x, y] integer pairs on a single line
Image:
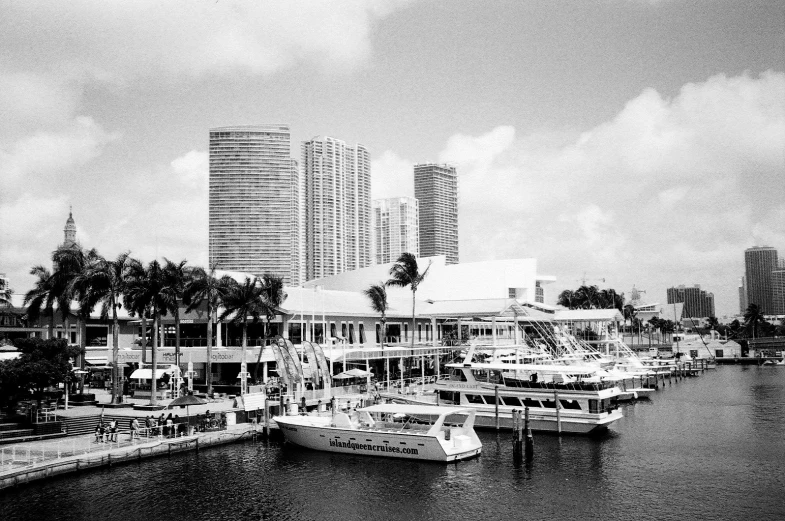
{"points": [[594, 406], [528, 402], [474, 398], [457, 375], [511, 401], [549, 404], [570, 404], [481, 375], [448, 397]]}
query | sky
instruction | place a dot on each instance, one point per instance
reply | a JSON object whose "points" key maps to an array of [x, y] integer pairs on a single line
{"points": [[618, 142]]}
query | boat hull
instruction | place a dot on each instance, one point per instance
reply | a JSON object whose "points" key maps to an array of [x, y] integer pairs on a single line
{"points": [[382, 443]]}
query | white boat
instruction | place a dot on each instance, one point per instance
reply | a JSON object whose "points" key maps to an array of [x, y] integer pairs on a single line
{"points": [[570, 399], [390, 430]]}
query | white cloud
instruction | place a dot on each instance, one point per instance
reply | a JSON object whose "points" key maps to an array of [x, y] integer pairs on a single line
{"points": [[391, 176], [121, 39], [45, 155]]}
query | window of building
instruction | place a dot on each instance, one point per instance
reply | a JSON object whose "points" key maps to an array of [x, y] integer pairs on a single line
{"points": [[343, 330], [362, 333], [351, 332], [406, 332]]}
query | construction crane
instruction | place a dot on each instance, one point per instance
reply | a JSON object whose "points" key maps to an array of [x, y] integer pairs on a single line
{"points": [[635, 295], [584, 280]]}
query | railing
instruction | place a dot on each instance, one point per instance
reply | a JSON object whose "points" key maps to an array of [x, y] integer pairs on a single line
{"points": [[27, 455]]}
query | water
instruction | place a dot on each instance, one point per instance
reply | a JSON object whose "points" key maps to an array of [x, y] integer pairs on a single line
{"points": [[710, 447]]}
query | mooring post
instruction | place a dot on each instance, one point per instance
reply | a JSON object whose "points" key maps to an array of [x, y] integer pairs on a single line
{"points": [[558, 411], [496, 393], [529, 439], [266, 417]]}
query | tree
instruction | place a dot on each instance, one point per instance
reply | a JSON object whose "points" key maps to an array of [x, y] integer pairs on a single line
{"points": [[174, 281], [41, 297], [102, 282], [41, 364], [377, 294], [405, 272], [273, 297], [243, 301], [752, 318], [567, 298], [143, 289], [203, 286]]}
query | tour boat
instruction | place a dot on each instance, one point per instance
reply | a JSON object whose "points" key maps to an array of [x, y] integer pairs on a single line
{"points": [[390, 430], [570, 399]]}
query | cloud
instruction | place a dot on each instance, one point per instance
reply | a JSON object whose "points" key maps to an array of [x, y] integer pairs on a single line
{"points": [[391, 176], [45, 155], [669, 191], [122, 39]]}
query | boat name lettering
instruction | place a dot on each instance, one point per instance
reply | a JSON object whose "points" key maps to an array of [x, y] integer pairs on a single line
{"points": [[372, 448]]}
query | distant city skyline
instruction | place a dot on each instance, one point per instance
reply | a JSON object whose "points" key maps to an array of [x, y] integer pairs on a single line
{"points": [[628, 140], [697, 302]]}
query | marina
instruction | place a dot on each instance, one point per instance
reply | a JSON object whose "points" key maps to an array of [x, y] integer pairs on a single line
{"points": [[700, 449]]}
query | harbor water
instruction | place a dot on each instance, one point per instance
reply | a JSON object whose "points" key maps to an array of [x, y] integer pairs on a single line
{"points": [[710, 447]]}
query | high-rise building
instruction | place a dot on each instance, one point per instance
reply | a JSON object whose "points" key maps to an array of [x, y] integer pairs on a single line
{"points": [[436, 190], [743, 295], [254, 201], [396, 228], [337, 184], [697, 303], [759, 262], [778, 290]]}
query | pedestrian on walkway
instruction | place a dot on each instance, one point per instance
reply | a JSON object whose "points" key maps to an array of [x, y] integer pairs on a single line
{"points": [[134, 428], [113, 430]]}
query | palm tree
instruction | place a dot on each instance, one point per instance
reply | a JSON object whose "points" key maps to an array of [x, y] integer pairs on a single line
{"points": [[405, 272], [567, 298], [137, 302], [377, 294], [102, 282], [273, 297], [41, 297], [244, 300], [175, 279], [752, 317], [144, 287], [203, 286]]}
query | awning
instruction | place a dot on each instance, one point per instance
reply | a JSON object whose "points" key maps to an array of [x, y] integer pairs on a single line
{"points": [[147, 374], [9, 355], [96, 360], [353, 373]]}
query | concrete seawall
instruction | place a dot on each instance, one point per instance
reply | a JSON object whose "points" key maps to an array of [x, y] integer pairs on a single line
{"points": [[139, 451]]}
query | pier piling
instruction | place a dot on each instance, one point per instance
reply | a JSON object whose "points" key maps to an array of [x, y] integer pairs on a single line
{"points": [[496, 392]]}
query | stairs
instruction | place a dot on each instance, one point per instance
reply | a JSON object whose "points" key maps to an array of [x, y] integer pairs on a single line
{"points": [[14, 432]]}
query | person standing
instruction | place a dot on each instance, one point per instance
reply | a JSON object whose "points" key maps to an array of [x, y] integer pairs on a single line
{"points": [[113, 430], [134, 428]]}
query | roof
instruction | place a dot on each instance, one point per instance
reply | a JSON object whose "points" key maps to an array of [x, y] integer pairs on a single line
{"points": [[399, 408], [588, 315], [499, 307]]}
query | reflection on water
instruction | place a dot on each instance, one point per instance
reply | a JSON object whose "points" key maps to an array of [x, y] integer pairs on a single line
{"points": [[705, 448]]}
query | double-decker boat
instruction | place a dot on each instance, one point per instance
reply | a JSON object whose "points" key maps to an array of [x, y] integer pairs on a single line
{"points": [[390, 430], [561, 398]]}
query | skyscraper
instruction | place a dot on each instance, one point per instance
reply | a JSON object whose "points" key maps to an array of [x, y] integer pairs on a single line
{"points": [[254, 201], [337, 207], [743, 295], [759, 262], [436, 190], [697, 303], [396, 228], [778, 288]]}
